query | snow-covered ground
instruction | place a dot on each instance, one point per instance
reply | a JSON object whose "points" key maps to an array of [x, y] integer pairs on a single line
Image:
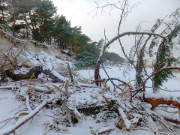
{"points": [[38, 125], [11, 103], [125, 73]]}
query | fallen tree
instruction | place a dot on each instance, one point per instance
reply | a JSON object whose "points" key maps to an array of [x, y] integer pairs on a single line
{"points": [[159, 101], [99, 61], [155, 102], [32, 74]]}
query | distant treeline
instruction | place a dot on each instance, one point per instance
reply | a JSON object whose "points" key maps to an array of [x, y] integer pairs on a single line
{"points": [[38, 20]]}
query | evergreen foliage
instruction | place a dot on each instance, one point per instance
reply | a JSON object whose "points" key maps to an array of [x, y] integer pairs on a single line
{"points": [[140, 65], [90, 53], [38, 20], [86, 59], [164, 59], [115, 58]]}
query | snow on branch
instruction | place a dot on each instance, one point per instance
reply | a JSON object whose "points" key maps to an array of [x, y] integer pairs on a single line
{"points": [[24, 120], [98, 63], [133, 33], [127, 123]]}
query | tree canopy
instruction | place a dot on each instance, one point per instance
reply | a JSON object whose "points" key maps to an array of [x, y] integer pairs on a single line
{"points": [[38, 20]]}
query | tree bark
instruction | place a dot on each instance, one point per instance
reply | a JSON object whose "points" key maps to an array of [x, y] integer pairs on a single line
{"points": [[32, 74], [157, 101]]}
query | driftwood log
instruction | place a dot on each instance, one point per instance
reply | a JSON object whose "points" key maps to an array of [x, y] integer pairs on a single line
{"points": [[32, 74], [159, 101], [52, 76]]}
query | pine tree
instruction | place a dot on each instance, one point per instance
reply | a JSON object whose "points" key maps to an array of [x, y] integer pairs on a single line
{"points": [[164, 59]]}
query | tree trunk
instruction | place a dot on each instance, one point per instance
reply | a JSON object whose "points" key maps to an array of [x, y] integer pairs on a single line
{"points": [[3, 15], [158, 101], [32, 74]]}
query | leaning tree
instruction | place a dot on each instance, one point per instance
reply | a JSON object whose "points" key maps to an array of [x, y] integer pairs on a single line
{"points": [[158, 40]]}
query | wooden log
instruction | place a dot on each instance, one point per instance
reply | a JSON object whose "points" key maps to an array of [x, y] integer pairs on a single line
{"points": [[32, 74], [73, 115], [157, 101], [172, 121], [52, 76], [126, 122]]}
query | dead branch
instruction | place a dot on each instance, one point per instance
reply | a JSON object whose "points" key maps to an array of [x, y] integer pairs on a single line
{"points": [[126, 122], [98, 63], [102, 130], [12, 129], [72, 113], [93, 109], [124, 13], [109, 78], [11, 38], [157, 101], [28, 104], [70, 73], [9, 88], [49, 91], [172, 120], [32, 74], [159, 118], [52, 76], [130, 88], [133, 33], [143, 88], [11, 60], [63, 89]]}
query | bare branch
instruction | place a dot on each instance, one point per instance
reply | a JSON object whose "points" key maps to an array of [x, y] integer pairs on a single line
{"points": [[96, 73], [133, 33]]}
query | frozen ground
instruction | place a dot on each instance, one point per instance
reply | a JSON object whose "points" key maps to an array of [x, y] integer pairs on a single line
{"points": [[37, 126], [10, 105], [172, 86]]}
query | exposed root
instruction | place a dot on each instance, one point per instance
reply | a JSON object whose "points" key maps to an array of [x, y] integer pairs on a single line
{"points": [[157, 101]]}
